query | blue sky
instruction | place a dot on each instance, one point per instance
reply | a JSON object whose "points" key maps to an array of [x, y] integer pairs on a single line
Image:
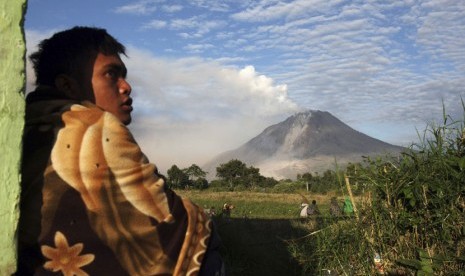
{"points": [[208, 76]]}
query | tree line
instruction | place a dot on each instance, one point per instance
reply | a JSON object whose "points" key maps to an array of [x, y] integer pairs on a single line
{"points": [[236, 175]]}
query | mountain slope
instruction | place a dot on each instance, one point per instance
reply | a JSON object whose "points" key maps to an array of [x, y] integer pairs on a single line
{"points": [[305, 142]]}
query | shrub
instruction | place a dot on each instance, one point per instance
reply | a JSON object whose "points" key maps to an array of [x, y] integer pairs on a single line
{"points": [[412, 213], [288, 187]]}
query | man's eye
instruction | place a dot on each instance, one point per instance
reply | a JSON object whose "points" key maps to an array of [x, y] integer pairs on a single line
{"points": [[112, 74]]}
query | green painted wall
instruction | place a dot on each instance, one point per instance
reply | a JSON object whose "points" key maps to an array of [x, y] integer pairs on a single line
{"points": [[12, 82]]}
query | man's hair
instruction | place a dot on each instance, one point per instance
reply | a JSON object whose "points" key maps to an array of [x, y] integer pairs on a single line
{"points": [[67, 51]]}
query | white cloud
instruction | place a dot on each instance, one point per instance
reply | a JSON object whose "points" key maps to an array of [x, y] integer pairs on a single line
{"points": [[199, 26], [172, 8], [198, 48], [143, 7], [189, 110], [441, 29], [270, 10], [155, 24], [214, 6]]}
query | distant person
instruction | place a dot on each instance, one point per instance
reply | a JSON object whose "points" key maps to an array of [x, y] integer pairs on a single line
{"points": [[347, 207], [312, 210], [91, 203], [211, 212], [227, 210], [303, 210], [334, 208]]}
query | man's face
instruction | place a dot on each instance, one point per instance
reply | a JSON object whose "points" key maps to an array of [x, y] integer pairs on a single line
{"points": [[111, 90]]}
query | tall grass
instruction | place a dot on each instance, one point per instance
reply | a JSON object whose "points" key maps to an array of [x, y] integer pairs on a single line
{"points": [[412, 213]]}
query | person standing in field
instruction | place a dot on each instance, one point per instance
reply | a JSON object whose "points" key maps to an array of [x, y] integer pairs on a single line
{"points": [[227, 210], [334, 208], [91, 202], [348, 208], [312, 210]]}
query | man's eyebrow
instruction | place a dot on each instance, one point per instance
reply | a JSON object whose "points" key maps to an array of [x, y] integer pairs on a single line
{"points": [[117, 67]]}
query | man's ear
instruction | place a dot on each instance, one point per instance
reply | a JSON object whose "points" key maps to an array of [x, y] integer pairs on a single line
{"points": [[66, 84], [73, 89]]}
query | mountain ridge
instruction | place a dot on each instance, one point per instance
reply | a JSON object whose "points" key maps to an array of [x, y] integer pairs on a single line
{"points": [[307, 141]]}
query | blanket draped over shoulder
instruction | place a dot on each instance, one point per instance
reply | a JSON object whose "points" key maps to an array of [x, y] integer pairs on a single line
{"points": [[91, 202]]}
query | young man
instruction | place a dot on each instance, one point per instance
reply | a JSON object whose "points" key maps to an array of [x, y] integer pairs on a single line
{"points": [[91, 203]]}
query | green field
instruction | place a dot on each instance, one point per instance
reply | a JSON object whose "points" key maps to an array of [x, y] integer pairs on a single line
{"points": [[265, 235], [257, 205], [256, 239]]}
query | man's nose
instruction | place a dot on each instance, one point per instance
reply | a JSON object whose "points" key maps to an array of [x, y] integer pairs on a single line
{"points": [[125, 87]]}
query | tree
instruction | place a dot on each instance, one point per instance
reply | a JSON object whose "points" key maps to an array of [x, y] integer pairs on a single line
{"points": [[328, 181], [196, 177], [195, 172], [306, 179], [252, 177], [200, 183], [236, 173], [177, 178], [231, 171]]}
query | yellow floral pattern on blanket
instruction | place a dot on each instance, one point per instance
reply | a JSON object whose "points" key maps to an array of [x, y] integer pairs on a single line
{"points": [[125, 198], [66, 258]]}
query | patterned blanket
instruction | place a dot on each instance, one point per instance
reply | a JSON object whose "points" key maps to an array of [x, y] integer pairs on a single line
{"points": [[92, 204]]}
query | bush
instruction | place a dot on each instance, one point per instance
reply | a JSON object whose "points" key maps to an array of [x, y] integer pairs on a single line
{"points": [[412, 213], [288, 187], [218, 185]]}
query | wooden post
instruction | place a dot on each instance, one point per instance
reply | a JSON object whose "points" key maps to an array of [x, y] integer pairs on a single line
{"points": [[349, 189]]}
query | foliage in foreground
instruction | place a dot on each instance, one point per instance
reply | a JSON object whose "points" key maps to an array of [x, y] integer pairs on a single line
{"points": [[412, 214]]}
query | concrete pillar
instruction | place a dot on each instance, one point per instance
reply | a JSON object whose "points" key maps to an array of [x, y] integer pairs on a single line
{"points": [[12, 83]]}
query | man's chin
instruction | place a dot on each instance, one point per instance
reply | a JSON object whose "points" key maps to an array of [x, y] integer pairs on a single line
{"points": [[126, 120]]}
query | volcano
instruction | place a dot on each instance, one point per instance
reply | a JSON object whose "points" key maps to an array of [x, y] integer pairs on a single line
{"points": [[311, 141]]}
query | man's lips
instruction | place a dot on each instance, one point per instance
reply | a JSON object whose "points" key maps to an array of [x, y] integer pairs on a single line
{"points": [[127, 105]]}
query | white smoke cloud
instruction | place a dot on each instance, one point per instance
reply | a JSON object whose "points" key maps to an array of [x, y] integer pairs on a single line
{"points": [[188, 110]]}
